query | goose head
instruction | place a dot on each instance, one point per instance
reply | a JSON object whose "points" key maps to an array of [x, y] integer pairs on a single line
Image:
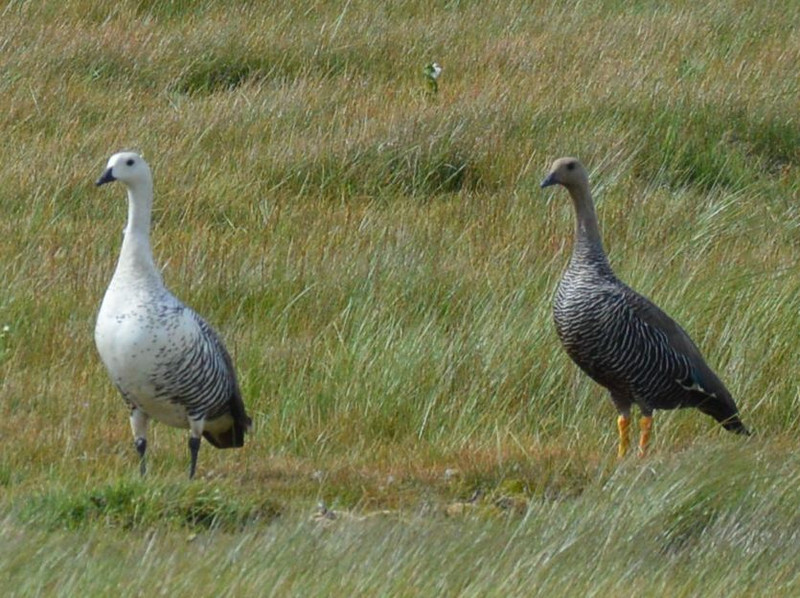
{"points": [[128, 168], [568, 172]]}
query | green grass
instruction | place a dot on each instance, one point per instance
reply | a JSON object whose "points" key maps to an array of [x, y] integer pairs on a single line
{"points": [[380, 261]]}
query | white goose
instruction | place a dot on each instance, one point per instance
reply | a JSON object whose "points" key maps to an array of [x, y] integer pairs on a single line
{"points": [[165, 359]]}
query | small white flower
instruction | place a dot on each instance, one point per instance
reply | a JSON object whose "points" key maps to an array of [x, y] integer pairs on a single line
{"points": [[450, 473], [6, 328], [433, 70]]}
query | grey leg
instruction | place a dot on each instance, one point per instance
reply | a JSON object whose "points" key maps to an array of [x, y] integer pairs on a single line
{"points": [[139, 422], [194, 448], [196, 430]]}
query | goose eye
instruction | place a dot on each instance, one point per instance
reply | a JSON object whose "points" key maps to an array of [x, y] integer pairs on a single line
{"points": [[571, 166], [129, 162]]}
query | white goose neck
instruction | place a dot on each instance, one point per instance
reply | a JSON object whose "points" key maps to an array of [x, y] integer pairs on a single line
{"points": [[136, 257]]}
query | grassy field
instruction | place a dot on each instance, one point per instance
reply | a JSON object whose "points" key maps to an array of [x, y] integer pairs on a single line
{"points": [[381, 262]]}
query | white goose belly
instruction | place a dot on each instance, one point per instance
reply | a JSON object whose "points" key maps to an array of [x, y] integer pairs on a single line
{"points": [[136, 347], [166, 412]]}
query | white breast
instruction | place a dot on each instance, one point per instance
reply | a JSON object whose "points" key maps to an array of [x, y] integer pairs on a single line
{"points": [[138, 334]]}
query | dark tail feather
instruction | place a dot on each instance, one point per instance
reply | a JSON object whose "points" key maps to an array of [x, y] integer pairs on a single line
{"points": [[233, 437]]}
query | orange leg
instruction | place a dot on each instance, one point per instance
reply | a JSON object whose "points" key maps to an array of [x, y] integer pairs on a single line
{"points": [[623, 425], [645, 429]]}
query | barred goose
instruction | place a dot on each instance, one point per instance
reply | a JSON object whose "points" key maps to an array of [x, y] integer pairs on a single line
{"points": [[166, 361], [619, 338]]}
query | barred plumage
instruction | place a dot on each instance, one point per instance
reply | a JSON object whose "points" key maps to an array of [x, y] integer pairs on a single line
{"points": [[166, 361], [621, 339]]}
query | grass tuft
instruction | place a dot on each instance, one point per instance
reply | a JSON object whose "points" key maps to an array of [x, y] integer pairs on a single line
{"points": [[138, 505]]}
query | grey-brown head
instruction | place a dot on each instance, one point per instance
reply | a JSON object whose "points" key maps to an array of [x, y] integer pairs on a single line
{"points": [[568, 172]]}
